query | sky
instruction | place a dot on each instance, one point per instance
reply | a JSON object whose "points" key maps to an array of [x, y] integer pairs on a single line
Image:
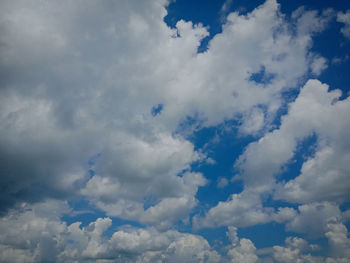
{"points": [[175, 131]]}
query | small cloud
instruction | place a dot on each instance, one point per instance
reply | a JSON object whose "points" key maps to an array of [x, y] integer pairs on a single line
{"points": [[222, 182], [210, 161], [225, 9], [338, 60], [345, 19], [156, 110], [318, 65]]}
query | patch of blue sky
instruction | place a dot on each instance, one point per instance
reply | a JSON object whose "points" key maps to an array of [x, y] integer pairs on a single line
{"points": [[156, 110], [197, 11], [306, 149], [86, 213], [264, 235], [82, 211], [262, 77], [221, 145]]}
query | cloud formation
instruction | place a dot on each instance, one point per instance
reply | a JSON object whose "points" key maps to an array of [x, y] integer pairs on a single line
{"points": [[99, 100]]}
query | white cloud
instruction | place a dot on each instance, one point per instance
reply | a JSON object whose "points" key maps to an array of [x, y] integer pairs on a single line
{"points": [[312, 218], [241, 250], [85, 83], [240, 210], [299, 250], [318, 65], [253, 122], [244, 252], [338, 239], [327, 171], [323, 177], [294, 251], [344, 17], [34, 235]]}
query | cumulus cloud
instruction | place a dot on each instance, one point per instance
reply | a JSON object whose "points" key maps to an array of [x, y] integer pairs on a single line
{"points": [[85, 84], [327, 170], [299, 250], [241, 250], [312, 219], [296, 250], [323, 177], [35, 234], [324, 174]]}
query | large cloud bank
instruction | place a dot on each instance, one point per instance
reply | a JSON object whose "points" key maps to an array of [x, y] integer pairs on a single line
{"points": [[108, 87]]}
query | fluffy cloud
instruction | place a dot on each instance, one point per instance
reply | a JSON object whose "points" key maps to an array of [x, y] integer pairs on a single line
{"points": [[299, 250], [240, 210], [35, 234], [327, 171], [85, 84], [323, 177], [294, 251], [313, 218], [242, 250]]}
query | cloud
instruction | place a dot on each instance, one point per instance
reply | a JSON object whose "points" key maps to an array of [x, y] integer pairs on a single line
{"points": [[34, 234], [85, 84], [222, 182], [299, 250], [344, 17], [240, 210], [318, 65], [313, 218], [327, 170], [322, 177], [294, 251], [241, 250]]}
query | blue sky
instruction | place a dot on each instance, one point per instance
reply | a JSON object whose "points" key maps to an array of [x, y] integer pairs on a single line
{"points": [[181, 131]]}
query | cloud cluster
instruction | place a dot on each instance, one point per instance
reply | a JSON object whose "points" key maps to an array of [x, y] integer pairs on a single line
{"points": [[323, 182], [35, 234], [345, 19], [79, 87], [97, 100]]}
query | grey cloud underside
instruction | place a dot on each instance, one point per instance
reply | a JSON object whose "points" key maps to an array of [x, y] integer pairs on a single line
{"points": [[79, 81]]}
